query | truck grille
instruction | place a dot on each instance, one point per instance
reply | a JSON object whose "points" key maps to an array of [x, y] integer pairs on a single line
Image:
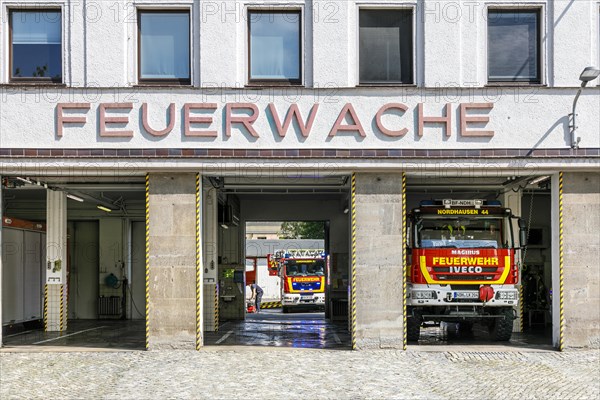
{"points": [[486, 274]]}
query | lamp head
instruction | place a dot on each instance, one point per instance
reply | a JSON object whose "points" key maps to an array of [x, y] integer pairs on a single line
{"points": [[589, 74]]}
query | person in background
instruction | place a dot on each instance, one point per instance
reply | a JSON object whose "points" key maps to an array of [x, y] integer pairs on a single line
{"points": [[257, 294]]}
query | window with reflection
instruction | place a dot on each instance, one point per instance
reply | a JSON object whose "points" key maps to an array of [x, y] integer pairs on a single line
{"points": [[36, 45], [275, 45], [514, 46], [386, 46], [164, 46]]}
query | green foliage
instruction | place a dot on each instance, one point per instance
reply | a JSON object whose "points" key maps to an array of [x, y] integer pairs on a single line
{"points": [[302, 230]]}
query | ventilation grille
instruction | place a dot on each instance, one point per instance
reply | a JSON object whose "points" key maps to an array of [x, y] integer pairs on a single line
{"points": [[109, 306]]}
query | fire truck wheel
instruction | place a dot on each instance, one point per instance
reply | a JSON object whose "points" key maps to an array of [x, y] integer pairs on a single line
{"points": [[285, 309], [413, 327], [501, 328]]}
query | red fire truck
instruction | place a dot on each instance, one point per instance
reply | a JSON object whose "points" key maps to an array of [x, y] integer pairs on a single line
{"points": [[461, 255], [302, 274]]}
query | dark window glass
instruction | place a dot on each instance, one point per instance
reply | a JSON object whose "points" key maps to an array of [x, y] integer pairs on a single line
{"points": [[164, 46], [513, 46], [386, 46], [275, 46], [36, 45]]}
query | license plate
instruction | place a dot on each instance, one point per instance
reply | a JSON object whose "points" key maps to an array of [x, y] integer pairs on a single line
{"points": [[466, 295], [306, 295]]}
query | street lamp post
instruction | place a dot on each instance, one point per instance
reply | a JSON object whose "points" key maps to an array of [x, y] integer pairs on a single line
{"points": [[588, 74]]}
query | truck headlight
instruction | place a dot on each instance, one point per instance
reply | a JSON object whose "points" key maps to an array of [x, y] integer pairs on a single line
{"points": [[423, 294], [506, 295]]}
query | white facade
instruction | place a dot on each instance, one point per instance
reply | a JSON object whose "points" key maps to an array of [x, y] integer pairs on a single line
{"points": [[450, 68]]}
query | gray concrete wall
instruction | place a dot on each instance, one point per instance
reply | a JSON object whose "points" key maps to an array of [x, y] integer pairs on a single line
{"points": [[379, 266], [172, 261], [581, 218], [111, 258], [137, 280], [83, 279]]}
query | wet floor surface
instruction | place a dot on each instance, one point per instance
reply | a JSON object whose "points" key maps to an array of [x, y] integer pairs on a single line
{"points": [[271, 327], [93, 334]]}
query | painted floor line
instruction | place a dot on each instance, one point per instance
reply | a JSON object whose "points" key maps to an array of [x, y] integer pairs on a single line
{"points": [[17, 334], [225, 336], [337, 338], [70, 334]]}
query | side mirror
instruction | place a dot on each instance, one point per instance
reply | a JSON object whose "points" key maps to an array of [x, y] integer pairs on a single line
{"points": [[523, 236]]}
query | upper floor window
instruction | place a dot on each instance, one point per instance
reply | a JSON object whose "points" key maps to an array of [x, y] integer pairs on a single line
{"points": [[164, 46], [36, 45], [514, 46], [386, 46], [275, 45]]}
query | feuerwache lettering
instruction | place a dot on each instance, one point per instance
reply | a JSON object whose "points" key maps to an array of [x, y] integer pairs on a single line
{"points": [[198, 119]]}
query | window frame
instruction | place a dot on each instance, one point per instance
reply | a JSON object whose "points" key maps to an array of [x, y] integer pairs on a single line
{"points": [[399, 7], [539, 80], [33, 80], [163, 81], [275, 82]]}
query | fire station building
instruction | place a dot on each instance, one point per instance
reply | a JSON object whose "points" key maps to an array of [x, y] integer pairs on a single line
{"points": [[138, 140]]}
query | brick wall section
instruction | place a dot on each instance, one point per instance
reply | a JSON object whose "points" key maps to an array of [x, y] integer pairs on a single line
{"points": [[300, 153]]}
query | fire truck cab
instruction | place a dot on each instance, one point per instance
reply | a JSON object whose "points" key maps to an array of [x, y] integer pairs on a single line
{"points": [[461, 258]]}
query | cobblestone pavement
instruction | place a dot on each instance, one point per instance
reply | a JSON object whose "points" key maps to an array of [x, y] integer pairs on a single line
{"points": [[267, 373]]}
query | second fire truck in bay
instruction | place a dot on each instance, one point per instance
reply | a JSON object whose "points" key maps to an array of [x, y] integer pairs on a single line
{"points": [[302, 274]]}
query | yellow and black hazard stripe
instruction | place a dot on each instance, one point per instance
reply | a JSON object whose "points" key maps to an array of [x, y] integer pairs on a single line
{"points": [[270, 304], [561, 342], [216, 328], [46, 308], [147, 261], [198, 270], [404, 259], [62, 308], [353, 276], [521, 312]]}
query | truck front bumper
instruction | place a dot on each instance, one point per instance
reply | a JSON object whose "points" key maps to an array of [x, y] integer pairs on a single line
{"points": [[439, 296], [304, 299]]}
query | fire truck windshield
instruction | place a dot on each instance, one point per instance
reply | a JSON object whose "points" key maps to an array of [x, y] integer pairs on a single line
{"points": [[459, 233], [304, 267]]}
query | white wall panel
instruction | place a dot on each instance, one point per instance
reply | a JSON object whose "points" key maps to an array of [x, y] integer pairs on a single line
{"points": [[12, 275]]}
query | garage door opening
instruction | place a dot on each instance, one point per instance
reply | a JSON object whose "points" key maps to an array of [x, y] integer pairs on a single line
{"points": [[479, 261], [73, 262], [290, 237]]}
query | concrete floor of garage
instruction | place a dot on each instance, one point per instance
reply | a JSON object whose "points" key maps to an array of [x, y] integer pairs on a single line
{"points": [[448, 334], [269, 328]]}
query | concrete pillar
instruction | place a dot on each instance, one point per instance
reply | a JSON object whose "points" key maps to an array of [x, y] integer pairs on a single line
{"points": [[512, 199], [172, 261], [56, 290], [379, 261], [581, 255]]}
